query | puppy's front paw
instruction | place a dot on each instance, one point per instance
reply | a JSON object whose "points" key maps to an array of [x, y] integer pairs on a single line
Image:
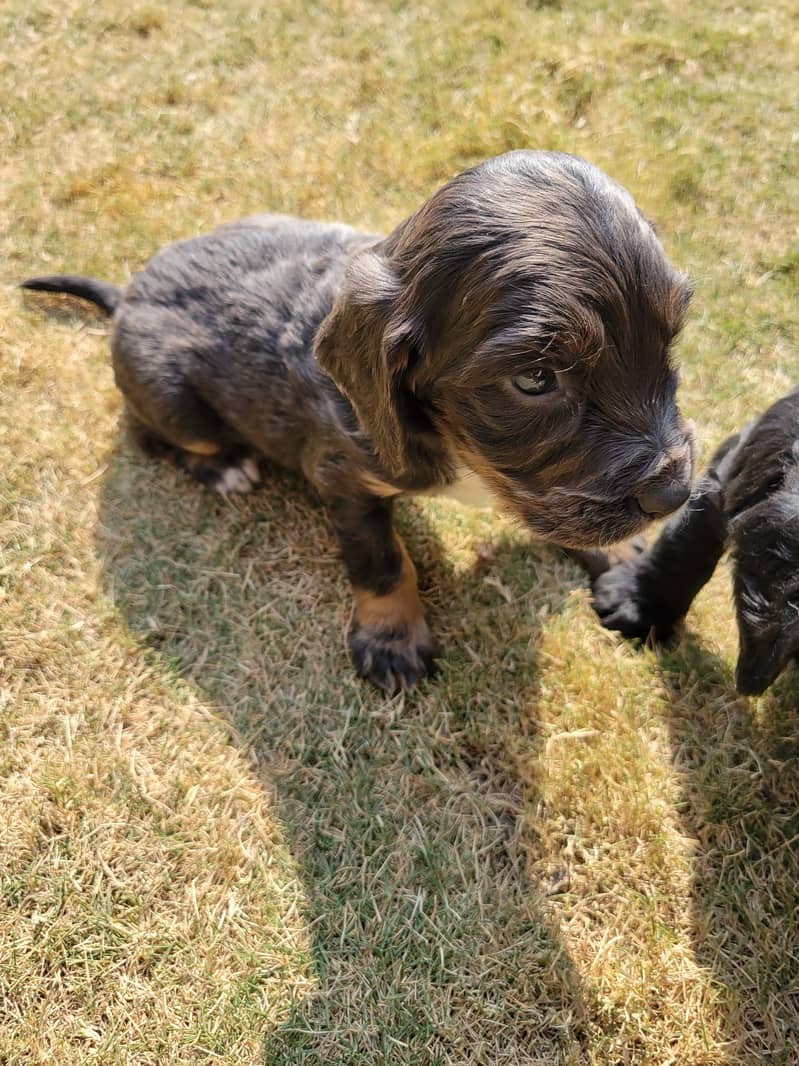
{"points": [[622, 603], [394, 658]]}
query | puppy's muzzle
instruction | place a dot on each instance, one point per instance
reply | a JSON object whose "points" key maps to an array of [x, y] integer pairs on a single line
{"points": [[669, 486]]}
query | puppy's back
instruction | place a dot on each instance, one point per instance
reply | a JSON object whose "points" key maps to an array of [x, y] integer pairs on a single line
{"points": [[230, 318]]}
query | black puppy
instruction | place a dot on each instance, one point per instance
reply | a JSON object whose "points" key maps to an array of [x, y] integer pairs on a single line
{"points": [[516, 329], [748, 501]]}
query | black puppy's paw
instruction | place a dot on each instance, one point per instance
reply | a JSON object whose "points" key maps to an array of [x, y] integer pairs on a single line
{"points": [[394, 658], [623, 603]]}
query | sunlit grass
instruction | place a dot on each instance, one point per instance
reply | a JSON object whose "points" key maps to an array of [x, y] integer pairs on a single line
{"points": [[216, 844]]}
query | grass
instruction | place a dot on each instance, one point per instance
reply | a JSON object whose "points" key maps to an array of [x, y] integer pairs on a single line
{"points": [[216, 845]]}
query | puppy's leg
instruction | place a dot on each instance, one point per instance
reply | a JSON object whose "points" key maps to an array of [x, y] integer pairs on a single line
{"points": [[390, 641], [651, 593], [224, 468], [226, 471]]}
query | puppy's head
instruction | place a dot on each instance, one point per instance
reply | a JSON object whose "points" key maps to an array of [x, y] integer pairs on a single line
{"points": [[520, 323], [765, 546]]}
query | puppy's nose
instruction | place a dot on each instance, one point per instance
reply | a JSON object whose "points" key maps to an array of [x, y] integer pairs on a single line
{"points": [[668, 484], [663, 497]]}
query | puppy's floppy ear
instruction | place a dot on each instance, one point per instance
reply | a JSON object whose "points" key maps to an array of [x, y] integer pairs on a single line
{"points": [[765, 543], [762, 655], [367, 344]]}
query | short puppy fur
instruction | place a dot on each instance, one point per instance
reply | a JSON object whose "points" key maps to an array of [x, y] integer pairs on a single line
{"points": [[747, 502], [517, 328]]}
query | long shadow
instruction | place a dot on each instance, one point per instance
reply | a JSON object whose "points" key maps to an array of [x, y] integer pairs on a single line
{"points": [[739, 759], [429, 943]]}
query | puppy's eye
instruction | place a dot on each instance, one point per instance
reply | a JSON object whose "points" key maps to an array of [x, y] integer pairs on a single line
{"points": [[537, 381]]}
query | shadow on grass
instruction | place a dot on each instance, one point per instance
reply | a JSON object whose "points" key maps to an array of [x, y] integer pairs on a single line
{"points": [[740, 764], [429, 944]]}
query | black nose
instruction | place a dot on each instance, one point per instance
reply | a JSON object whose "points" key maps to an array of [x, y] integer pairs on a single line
{"points": [[663, 497]]}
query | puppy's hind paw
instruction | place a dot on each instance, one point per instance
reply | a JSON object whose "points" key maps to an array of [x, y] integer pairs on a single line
{"points": [[235, 479], [394, 658], [249, 467], [234, 471]]}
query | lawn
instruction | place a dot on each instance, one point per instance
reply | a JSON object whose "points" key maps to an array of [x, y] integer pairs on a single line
{"points": [[216, 846]]}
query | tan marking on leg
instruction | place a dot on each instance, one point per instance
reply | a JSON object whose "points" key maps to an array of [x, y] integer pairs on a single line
{"points": [[391, 643], [201, 447], [400, 607]]}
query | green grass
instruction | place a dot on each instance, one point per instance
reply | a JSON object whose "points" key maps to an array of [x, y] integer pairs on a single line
{"points": [[215, 844]]}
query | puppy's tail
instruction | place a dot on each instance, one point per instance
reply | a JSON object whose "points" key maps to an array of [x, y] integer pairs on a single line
{"points": [[99, 292]]}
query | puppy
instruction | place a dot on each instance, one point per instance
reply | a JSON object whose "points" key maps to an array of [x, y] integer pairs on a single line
{"points": [[516, 328], [748, 501]]}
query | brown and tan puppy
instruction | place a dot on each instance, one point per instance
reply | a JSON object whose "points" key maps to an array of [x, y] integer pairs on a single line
{"points": [[517, 328]]}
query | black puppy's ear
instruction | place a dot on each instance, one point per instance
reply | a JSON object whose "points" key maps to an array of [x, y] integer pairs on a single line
{"points": [[760, 656], [765, 541], [367, 344]]}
